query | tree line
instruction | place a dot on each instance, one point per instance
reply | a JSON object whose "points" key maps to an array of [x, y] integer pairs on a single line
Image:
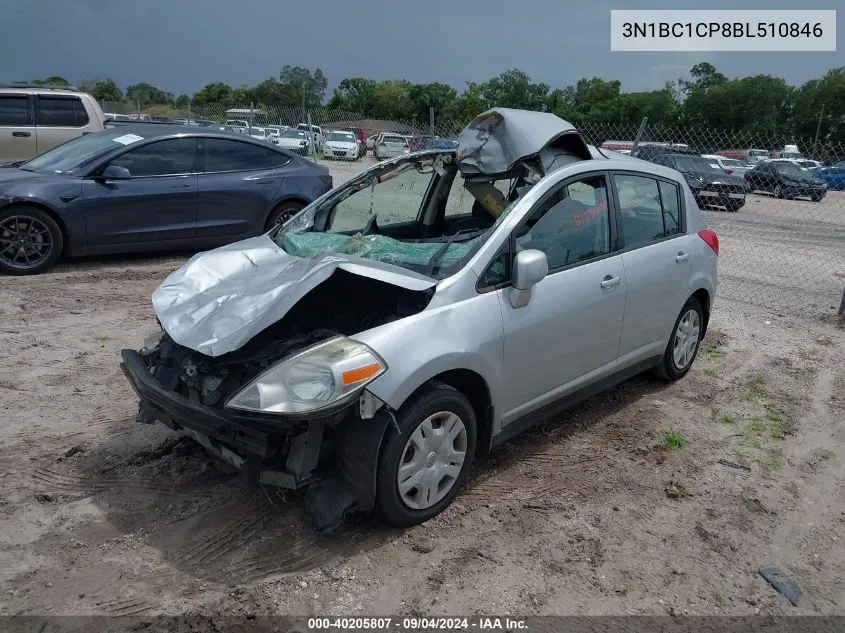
{"points": [[760, 105]]}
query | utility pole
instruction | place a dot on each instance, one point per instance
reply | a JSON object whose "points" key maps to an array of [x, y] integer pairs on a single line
{"points": [[818, 129]]}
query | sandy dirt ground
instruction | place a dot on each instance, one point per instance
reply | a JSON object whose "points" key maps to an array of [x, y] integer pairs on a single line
{"points": [[648, 499]]}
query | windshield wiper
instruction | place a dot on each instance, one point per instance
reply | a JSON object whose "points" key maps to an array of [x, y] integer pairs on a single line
{"points": [[432, 262]]}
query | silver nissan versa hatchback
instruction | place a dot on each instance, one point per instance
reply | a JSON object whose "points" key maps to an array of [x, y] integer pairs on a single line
{"points": [[426, 311]]}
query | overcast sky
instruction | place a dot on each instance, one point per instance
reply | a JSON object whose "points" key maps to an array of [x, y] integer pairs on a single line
{"points": [[181, 45]]}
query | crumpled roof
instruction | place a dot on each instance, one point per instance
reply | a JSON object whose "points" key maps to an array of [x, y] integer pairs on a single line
{"points": [[499, 138]]}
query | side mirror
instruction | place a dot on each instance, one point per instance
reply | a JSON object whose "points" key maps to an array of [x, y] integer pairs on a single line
{"points": [[115, 172], [530, 267]]}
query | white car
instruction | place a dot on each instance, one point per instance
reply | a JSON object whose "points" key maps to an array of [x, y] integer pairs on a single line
{"points": [[316, 133], [258, 133], [729, 165], [294, 141], [371, 142], [275, 130], [341, 145]]}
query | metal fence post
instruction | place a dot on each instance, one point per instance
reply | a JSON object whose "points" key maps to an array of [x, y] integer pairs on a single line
{"points": [[431, 119], [313, 142], [640, 133]]}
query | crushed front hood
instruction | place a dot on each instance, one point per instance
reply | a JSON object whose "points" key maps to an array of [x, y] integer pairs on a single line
{"points": [[221, 299]]}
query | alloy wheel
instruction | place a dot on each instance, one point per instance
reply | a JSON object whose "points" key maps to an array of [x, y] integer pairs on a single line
{"points": [[432, 460], [25, 242], [686, 339]]}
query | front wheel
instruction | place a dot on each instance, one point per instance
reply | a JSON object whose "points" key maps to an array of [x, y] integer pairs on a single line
{"points": [[422, 467], [683, 344], [282, 213], [30, 241]]}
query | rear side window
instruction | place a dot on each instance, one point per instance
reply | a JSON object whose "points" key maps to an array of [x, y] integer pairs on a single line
{"points": [[14, 110], [649, 209], [225, 155], [61, 112]]}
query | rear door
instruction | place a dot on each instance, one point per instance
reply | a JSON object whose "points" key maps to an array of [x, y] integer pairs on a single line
{"points": [[237, 186], [157, 204], [656, 255], [17, 127], [59, 118]]}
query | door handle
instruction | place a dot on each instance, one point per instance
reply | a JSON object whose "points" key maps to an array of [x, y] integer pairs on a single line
{"points": [[681, 257], [610, 281], [180, 186], [22, 134]]}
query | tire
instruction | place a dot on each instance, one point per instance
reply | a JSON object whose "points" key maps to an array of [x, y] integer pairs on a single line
{"points": [[778, 192], [282, 213], [670, 368], [42, 238], [816, 198], [432, 407]]}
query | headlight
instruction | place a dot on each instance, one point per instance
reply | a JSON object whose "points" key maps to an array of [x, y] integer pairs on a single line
{"points": [[321, 376]]}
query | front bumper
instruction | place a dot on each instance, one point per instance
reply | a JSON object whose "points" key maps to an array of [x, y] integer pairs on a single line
{"points": [[246, 434]]}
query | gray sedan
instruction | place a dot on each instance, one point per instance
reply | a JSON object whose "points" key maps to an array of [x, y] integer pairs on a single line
{"points": [[147, 187]]}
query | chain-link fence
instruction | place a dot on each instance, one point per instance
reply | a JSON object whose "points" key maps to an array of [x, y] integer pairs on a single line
{"points": [[782, 227]]}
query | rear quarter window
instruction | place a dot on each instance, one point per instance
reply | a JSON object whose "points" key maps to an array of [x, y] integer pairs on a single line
{"points": [[61, 112]]}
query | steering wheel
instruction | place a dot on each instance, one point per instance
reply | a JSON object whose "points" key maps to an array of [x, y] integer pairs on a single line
{"points": [[371, 228]]}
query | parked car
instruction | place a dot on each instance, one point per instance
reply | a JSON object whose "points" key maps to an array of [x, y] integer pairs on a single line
{"points": [[294, 141], [317, 135], [790, 151], [258, 133], [807, 163], [276, 130], [389, 145], [110, 116], [150, 187], [732, 166], [748, 156], [341, 144], [833, 177], [785, 179], [374, 345], [709, 183], [361, 137], [34, 119], [371, 143], [647, 151], [240, 123]]}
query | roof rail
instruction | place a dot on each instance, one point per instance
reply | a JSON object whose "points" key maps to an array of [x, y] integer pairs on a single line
{"points": [[40, 86]]}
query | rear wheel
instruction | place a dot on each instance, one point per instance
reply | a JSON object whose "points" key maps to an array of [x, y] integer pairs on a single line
{"points": [[816, 198], [422, 467], [30, 241], [282, 213], [683, 344]]}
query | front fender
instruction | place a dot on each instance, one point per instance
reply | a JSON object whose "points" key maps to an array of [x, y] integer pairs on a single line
{"points": [[467, 334]]}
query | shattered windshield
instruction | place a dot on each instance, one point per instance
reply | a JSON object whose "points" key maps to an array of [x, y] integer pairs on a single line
{"points": [[419, 214]]}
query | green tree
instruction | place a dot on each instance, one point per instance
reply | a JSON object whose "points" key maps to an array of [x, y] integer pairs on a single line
{"points": [[514, 89], [433, 95], [144, 94], [102, 89], [214, 93], [355, 94], [298, 79], [182, 101], [53, 80], [821, 100], [469, 104]]}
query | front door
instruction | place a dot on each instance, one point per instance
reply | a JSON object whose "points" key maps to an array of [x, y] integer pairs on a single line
{"points": [[568, 334], [157, 204]]}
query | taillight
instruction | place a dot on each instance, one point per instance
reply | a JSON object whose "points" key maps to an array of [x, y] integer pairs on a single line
{"points": [[406, 146], [711, 238], [382, 144], [729, 170], [328, 180]]}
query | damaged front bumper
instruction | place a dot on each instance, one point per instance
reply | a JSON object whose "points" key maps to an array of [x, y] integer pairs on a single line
{"points": [[334, 456]]}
